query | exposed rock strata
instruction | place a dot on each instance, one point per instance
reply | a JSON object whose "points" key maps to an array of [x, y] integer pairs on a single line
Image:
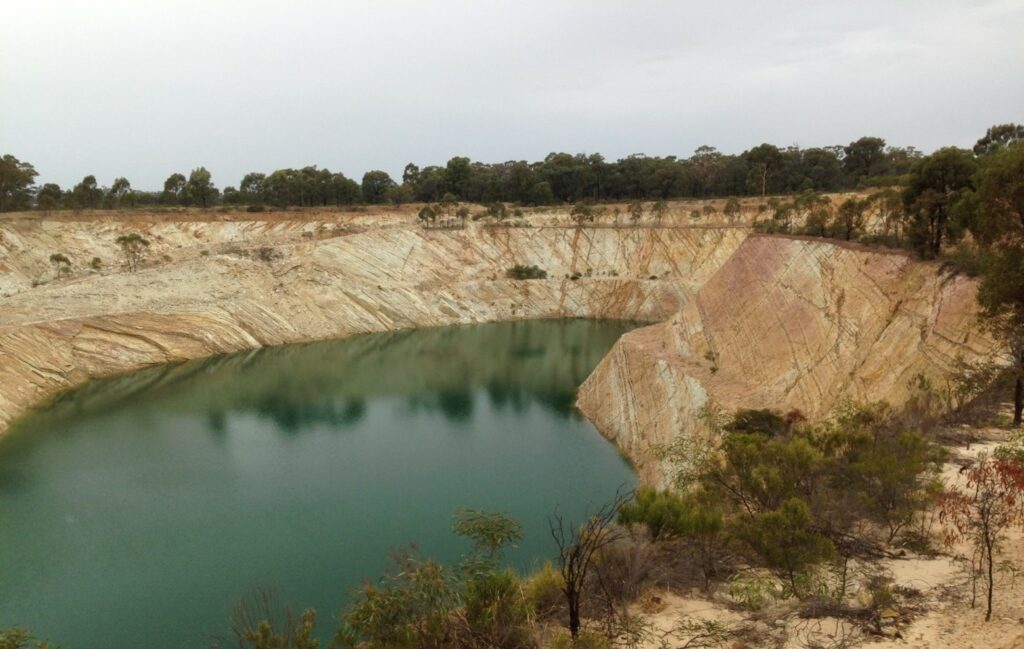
{"points": [[55, 336], [785, 323], [744, 322]]}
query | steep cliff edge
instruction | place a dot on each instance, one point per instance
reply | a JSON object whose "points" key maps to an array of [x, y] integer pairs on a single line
{"points": [[785, 323], [743, 321], [192, 305]]}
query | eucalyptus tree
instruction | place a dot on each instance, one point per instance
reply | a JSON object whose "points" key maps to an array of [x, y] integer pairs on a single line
{"points": [[16, 182], [87, 194], [251, 188], [174, 189], [200, 189], [937, 183], [764, 162], [49, 196], [998, 137], [133, 247], [61, 264], [863, 159], [121, 190], [376, 185]]}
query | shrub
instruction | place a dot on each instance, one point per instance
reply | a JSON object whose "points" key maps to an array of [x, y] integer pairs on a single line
{"points": [[255, 208], [15, 638], [543, 590], [691, 518], [587, 640], [96, 263], [411, 606], [623, 570], [496, 610], [786, 542], [520, 271]]}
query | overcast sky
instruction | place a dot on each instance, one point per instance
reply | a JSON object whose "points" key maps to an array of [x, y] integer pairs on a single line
{"points": [[146, 88]]}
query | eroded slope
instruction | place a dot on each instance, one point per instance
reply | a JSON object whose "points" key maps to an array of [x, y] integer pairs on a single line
{"points": [[60, 334], [785, 323]]}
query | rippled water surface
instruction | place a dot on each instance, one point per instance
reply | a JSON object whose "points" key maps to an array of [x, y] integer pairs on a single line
{"points": [[135, 511]]}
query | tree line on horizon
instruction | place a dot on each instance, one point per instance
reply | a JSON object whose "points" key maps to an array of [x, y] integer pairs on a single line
{"points": [[558, 178]]}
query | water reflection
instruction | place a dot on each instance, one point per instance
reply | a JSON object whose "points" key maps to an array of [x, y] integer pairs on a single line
{"points": [[300, 387], [157, 498]]}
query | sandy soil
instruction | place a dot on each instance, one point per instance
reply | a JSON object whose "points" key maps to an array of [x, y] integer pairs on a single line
{"points": [[941, 618]]}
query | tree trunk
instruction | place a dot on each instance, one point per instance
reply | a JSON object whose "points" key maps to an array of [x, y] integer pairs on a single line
{"points": [[991, 577], [1018, 401], [574, 615]]}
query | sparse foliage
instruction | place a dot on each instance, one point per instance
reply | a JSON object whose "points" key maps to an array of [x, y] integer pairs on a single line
{"points": [[133, 247], [577, 547], [991, 503]]}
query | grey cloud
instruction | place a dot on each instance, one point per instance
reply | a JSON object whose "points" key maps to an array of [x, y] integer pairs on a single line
{"points": [[143, 89]]}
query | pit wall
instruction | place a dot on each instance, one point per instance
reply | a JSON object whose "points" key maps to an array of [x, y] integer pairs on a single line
{"points": [[744, 321], [58, 335], [784, 323]]}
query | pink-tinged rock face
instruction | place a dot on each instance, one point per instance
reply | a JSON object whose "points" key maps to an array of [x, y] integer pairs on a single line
{"points": [[785, 323]]}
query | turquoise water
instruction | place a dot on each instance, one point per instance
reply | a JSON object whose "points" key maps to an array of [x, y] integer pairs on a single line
{"points": [[135, 511]]}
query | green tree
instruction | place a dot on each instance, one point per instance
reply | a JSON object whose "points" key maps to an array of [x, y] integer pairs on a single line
{"points": [[346, 190], [659, 209], [133, 247], [16, 182], [400, 194], [427, 215], [86, 194], [1001, 296], [889, 205], [462, 214], [251, 188], [121, 191], [863, 159], [636, 211], [891, 473], [415, 605], [764, 161], [998, 137], [786, 541], [997, 211], [732, 210], [199, 188], [49, 196], [174, 189], [692, 518], [936, 184], [582, 213], [457, 175], [61, 264], [850, 217], [411, 175], [490, 534], [376, 185], [540, 194], [231, 196]]}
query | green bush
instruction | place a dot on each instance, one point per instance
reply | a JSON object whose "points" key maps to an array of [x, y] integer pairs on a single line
{"points": [[15, 638], [520, 271], [496, 610], [543, 590]]}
